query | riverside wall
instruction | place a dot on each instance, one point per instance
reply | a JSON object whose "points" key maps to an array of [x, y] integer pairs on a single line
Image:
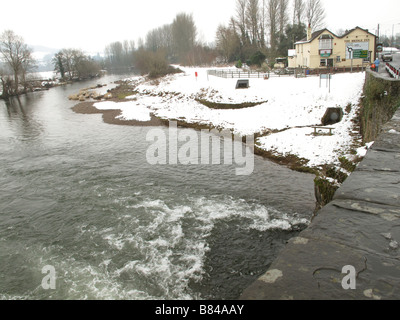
{"points": [[351, 250]]}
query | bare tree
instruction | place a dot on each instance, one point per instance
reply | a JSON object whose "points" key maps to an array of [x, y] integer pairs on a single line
{"points": [[228, 42], [75, 63], [152, 40], [6, 82], [283, 16], [315, 14], [184, 33], [263, 25], [58, 62], [273, 15], [16, 55], [241, 8], [252, 21], [28, 64], [298, 11]]}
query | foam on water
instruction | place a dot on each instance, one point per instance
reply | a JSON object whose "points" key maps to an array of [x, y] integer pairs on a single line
{"points": [[153, 251], [169, 243]]}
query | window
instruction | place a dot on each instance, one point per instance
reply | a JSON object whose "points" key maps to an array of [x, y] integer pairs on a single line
{"points": [[323, 63], [326, 42], [338, 59]]}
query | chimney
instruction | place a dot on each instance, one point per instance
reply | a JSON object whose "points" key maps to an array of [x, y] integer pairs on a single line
{"points": [[309, 32]]}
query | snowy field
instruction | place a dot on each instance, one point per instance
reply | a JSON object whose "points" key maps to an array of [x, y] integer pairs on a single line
{"points": [[289, 106]]}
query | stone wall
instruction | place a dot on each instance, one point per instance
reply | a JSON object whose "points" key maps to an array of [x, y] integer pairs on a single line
{"points": [[380, 102]]}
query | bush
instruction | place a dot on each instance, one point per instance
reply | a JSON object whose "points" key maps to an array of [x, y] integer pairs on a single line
{"points": [[155, 64], [239, 64], [257, 59]]}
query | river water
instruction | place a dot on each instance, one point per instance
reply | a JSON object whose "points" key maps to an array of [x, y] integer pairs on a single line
{"points": [[79, 196]]}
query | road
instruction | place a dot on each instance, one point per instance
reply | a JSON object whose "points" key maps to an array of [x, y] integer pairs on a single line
{"points": [[396, 60], [395, 63]]}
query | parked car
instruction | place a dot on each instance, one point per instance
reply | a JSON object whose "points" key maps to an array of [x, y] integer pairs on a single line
{"points": [[284, 71], [387, 56]]}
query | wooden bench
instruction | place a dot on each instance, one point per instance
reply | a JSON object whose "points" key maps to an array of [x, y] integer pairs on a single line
{"points": [[322, 128]]}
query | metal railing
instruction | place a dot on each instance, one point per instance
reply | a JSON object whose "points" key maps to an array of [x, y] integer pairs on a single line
{"points": [[393, 71], [231, 74], [295, 72]]}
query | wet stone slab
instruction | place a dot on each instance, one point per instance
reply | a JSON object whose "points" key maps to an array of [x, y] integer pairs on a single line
{"points": [[372, 186], [359, 229], [380, 161], [311, 269], [349, 223]]}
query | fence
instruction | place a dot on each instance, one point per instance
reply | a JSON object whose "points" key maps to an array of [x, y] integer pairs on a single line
{"points": [[297, 72], [394, 72], [230, 74]]}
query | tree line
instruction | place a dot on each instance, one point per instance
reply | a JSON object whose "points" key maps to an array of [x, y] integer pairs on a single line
{"points": [[174, 43], [74, 64], [17, 60], [259, 29], [267, 28]]}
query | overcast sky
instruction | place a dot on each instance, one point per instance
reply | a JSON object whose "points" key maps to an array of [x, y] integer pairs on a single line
{"points": [[92, 24]]}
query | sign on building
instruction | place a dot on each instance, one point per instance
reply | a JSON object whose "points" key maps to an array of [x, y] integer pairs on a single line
{"points": [[360, 50], [326, 53]]}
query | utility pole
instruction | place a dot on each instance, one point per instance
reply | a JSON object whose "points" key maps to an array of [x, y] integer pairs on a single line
{"points": [[392, 35], [378, 32]]}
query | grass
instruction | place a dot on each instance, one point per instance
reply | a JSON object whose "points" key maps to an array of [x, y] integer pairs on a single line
{"points": [[215, 105], [380, 102]]}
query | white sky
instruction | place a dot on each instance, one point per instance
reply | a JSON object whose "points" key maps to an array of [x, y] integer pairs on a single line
{"points": [[92, 24]]}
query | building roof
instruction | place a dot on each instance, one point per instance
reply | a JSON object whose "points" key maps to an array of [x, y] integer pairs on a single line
{"points": [[316, 34], [350, 31]]}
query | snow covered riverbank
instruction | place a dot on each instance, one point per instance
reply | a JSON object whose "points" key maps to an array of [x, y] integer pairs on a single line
{"points": [[282, 122]]}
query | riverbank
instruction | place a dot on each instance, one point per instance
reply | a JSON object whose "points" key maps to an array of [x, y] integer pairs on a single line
{"points": [[280, 112]]}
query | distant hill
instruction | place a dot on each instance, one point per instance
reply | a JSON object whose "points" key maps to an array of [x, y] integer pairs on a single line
{"points": [[44, 56]]}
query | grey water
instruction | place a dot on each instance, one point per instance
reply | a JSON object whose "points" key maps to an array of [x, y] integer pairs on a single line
{"points": [[77, 194]]}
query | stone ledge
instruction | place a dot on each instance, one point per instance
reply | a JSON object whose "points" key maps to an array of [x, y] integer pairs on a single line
{"points": [[359, 228]]}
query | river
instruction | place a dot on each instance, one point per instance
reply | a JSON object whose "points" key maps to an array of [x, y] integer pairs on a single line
{"points": [[78, 195]]}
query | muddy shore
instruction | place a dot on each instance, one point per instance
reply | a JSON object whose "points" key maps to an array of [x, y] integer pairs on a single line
{"points": [[112, 116]]}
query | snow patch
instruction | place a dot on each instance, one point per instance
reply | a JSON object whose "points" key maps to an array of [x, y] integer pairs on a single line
{"points": [[289, 105]]}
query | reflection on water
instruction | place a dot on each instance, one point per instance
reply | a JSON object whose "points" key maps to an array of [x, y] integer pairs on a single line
{"points": [[19, 112], [79, 195]]}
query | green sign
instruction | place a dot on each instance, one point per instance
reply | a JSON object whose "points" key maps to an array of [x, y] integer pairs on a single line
{"points": [[360, 54], [357, 50], [325, 53]]}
